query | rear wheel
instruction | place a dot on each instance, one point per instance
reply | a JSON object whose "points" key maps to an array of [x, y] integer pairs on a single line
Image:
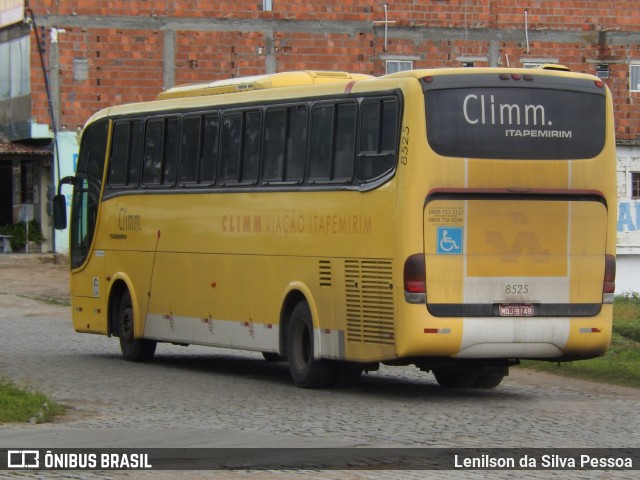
{"points": [[306, 371], [454, 377], [133, 350], [487, 381]]}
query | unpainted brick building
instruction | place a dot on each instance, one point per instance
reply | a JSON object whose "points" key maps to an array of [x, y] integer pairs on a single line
{"points": [[123, 51], [97, 53]]}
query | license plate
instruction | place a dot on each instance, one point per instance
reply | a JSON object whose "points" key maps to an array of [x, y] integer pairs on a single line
{"points": [[516, 310]]}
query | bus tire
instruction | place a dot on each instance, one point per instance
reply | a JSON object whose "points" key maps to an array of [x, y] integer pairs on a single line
{"points": [[454, 377], [487, 381], [306, 371], [133, 350]]}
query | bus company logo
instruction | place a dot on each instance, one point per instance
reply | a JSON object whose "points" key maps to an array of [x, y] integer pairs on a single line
{"points": [[128, 221], [23, 459], [478, 110], [524, 241]]}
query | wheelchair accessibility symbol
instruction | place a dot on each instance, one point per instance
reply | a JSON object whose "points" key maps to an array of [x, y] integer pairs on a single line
{"points": [[449, 241]]}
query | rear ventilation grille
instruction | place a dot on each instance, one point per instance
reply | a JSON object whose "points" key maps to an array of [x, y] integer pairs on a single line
{"points": [[370, 307], [325, 273]]}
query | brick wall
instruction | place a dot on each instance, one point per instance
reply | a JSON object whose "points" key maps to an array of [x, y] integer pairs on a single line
{"points": [[123, 44], [504, 14]]}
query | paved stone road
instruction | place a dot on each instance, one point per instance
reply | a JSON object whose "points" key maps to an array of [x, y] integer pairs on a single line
{"points": [[198, 397]]}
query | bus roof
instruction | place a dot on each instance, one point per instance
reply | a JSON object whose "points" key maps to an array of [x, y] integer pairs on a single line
{"points": [[271, 83], [260, 82]]}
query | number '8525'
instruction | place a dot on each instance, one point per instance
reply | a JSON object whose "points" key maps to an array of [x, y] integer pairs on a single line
{"points": [[514, 289]]}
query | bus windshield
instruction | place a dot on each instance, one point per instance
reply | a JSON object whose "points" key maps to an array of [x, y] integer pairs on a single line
{"points": [[86, 194], [522, 122]]}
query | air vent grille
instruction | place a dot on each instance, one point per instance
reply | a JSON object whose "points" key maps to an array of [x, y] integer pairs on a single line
{"points": [[325, 273], [370, 301]]}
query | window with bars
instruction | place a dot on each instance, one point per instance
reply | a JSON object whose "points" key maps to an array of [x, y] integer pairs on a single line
{"points": [[393, 66], [635, 184]]}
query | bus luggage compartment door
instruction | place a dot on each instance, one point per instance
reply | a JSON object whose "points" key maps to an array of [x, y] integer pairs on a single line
{"points": [[491, 255]]}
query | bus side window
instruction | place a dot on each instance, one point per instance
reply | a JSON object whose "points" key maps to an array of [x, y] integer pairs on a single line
{"points": [[171, 150], [119, 154], [369, 126], [389, 129], [126, 154], [332, 143], [252, 134], [345, 135], [190, 150], [152, 172], [274, 145], [231, 147], [285, 140], [321, 143], [378, 139], [135, 152], [296, 144], [208, 160]]}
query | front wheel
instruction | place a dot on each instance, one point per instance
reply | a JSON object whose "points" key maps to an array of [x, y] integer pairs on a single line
{"points": [[306, 371], [133, 350]]}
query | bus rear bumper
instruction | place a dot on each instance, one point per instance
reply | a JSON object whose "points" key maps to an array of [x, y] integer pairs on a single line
{"points": [[508, 337]]}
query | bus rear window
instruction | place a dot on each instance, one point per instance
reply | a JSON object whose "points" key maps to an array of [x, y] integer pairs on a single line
{"points": [[515, 123]]}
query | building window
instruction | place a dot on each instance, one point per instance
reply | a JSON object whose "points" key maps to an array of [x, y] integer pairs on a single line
{"points": [[635, 184], [634, 78], [394, 66], [15, 68], [602, 70], [267, 5]]}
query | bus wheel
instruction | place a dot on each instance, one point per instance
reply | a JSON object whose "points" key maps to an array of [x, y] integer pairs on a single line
{"points": [[487, 381], [454, 377], [306, 371], [133, 350]]}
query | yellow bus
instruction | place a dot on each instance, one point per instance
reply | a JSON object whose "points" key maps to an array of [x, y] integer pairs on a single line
{"points": [[458, 220]]}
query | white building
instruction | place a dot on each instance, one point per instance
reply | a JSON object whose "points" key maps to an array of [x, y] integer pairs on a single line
{"points": [[628, 239]]}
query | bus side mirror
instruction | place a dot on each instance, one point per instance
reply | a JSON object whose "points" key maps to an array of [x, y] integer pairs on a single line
{"points": [[60, 212], [60, 204]]}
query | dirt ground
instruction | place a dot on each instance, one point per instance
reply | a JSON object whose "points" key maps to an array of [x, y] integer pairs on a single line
{"points": [[38, 276]]}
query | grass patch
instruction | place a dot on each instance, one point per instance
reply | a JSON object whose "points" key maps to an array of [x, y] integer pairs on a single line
{"points": [[18, 405], [63, 302], [621, 364]]}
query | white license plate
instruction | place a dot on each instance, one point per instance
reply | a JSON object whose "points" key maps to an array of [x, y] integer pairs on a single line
{"points": [[516, 310]]}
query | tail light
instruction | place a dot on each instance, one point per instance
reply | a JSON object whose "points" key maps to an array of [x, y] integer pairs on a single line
{"points": [[609, 283], [415, 279]]}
